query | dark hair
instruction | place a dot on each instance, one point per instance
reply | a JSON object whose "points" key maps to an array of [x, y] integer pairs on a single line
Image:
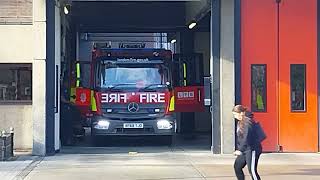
{"points": [[249, 114], [240, 109]]}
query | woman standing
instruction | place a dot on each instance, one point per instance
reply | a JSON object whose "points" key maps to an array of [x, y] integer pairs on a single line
{"points": [[248, 148]]}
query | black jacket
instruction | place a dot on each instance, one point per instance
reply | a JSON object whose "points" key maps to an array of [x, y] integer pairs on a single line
{"points": [[247, 140]]}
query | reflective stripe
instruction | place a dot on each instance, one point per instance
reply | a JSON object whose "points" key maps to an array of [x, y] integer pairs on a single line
{"points": [[184, 70], [78, 70], [78, 74], [93, 102], [171, 106], [184, 74], [72, 94], [253, 165]]}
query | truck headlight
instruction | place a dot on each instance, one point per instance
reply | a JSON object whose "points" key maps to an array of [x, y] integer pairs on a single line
{"points": [[102, 124], [164, 124]]}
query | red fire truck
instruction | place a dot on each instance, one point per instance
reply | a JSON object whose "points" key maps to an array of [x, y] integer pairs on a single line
{"points": [[130, 93]]}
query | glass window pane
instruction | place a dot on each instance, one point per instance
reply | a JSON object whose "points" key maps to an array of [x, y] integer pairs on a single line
{"points": [[15, 82], [258, 88], [298, 86], [85, 69]]}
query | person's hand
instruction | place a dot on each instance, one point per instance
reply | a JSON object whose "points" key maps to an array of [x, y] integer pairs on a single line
{"points": [[237, 153]]}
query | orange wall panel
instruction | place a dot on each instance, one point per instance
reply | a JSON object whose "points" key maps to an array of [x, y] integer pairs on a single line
{"points": [[259, 46], [298, 45]]}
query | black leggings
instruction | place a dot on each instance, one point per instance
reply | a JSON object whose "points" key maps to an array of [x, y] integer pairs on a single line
{"points": [[249, 158]]}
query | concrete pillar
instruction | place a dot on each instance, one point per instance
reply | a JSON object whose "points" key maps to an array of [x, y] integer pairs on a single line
{"points": [[57, 75], [227, 78], [39, 78], [223, 72]]}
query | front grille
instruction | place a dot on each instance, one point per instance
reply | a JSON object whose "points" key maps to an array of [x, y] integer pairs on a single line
{"points": [[140, 111], [134, 131], [143, 109], [138, 118]]}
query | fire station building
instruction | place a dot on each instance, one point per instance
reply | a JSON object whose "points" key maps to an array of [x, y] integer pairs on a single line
{"points": [[263, 54]]}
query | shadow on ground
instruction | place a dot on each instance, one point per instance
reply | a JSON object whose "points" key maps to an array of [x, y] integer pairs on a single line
{"points": [[152, 144]]}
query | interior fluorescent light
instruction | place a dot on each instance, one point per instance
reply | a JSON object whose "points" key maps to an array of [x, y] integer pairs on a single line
{"points": [[173, 41], [192, 25]]}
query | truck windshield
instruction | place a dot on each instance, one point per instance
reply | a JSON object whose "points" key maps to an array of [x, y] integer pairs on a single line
{"points": [[132, 75]]}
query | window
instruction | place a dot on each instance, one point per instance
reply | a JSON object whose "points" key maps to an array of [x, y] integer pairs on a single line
{"points": [[85, 69], [15, 82], [131, 75], [297, 87], [258, 88], [16, 12]]}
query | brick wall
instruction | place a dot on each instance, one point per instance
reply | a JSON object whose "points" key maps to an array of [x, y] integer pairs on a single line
{"points": [[15, 11]]}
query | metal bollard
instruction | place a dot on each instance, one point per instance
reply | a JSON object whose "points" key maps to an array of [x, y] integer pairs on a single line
{"points": [[12, 144], [3, 153], [6, 144], [3, 145]]}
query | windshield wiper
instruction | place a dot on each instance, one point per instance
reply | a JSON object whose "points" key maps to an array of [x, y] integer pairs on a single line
{"points": [[117, 85], [152, 86]]}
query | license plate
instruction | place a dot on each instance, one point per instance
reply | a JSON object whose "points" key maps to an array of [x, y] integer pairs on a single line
{"points": [[132, 125]]}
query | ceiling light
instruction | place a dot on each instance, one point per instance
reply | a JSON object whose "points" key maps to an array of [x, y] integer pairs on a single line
{"points": [[192, 25], [66, 9]]}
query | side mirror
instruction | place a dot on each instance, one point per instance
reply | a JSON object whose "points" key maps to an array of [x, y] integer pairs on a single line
{"points": [[207, 90]]}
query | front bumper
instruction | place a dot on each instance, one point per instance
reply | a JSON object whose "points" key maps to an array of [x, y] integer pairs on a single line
{"points": [[116, 127]]}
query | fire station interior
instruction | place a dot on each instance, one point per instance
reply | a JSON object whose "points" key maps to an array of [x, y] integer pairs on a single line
{"points": [[86, 26]]}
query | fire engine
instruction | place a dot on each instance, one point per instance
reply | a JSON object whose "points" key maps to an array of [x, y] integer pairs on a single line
{"points": [[130, 93]]}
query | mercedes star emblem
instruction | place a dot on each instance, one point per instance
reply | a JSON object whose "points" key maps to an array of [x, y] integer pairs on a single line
{"points": [[133, 107]]}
